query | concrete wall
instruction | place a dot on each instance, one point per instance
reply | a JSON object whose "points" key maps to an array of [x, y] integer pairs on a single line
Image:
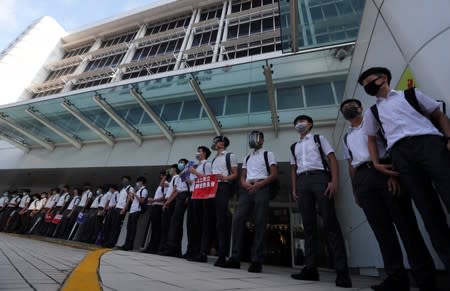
{"points": [[23, 62], [395, 34]]}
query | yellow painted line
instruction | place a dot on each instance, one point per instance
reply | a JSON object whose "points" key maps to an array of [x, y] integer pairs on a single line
{"points": [[85, 275]]}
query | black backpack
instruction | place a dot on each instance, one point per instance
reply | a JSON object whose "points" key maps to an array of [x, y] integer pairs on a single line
{"points": [[410, 96], [274, 186], [143, 205], [326, 167]]}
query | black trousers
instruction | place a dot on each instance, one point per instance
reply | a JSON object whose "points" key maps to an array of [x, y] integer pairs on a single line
{"points": [[98, 227], [249, 203], [60, 231], [224, 192], [155, 226], [6, 214], [89, 225], [383, 210], [208, 224], [112, 227], [166, 217], [194, 226], [176, 223], [131, 229], [310, 190], [424, 166], [15, 221]]}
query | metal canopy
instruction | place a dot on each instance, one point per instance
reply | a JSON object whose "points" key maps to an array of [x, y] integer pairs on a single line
{"points": [[14, 142], [152, 114], [201, 97], [108, 138], [270, 93], [74, 140], [8, 121], [132, 132]]}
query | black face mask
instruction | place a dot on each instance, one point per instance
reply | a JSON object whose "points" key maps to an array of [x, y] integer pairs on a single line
{"points": [[371, 88], [350, 112]]}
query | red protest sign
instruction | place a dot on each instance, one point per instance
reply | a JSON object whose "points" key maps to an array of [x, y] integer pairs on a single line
{"points": [[205, 187]]}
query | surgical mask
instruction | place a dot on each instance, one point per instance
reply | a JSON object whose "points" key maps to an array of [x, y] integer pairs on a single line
{"points": [[350, 112], [301, 127], [214, 147], [197, 156], [372, 88], [125, 183], [181, 166], [139, 184], [98, 192], [254, 140]]}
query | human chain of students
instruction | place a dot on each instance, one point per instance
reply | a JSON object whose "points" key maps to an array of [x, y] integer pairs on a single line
{"points": [[397, 152]]}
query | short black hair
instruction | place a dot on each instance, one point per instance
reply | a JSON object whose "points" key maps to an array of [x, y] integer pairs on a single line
{"points": [[27, 191], [175, 166], [261, 134], [101, 187], [113, 186], [346, 101], [225, 140], [141, 179], [57, 190], [87, 184], [375, 71], [66, 186], [126, 177], [185, 161], [303, 117], [206, 150]]}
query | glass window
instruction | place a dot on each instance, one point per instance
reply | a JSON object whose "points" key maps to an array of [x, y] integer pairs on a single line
{"points": [[319, 94], [339, 87], [243, 29], [256, 26], [267, 24], [237, 104], [289, 98], [232, 31], [191, 109], [171, 111], [259, 102], [216, 105]]}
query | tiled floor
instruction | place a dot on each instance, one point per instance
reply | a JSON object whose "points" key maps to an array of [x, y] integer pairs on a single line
{"points": [[28, 264]]}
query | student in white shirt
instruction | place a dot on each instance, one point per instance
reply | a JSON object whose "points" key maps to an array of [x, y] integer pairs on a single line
{"points": [[69, 215], [60, 206], [25, 223], [119, 212], [157, 203], [255, 183], [386, 208], [420, 153], [17, 219], [167, 210], [178, 197], [109, 207], [138, 198], [88, 230], [10, 210], [313, 184]]}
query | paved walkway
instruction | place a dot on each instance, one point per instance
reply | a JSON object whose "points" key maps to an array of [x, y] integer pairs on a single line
{"points": [[28, 264], [121, 270]]}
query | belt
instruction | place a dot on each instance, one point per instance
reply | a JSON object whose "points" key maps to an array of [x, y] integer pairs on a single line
{"points": [[313, 172], [410, 138], [253, 181], [369, 165]]}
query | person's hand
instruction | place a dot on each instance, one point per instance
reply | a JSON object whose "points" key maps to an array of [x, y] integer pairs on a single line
{"points": [[386, 169], [150, 201], [294, 196], [246, 185], [394, 185], [331, 190], [255, 187], [122, 212], [220, 177]]}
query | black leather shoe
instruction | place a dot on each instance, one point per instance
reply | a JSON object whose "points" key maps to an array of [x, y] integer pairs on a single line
{"points": [[255, 267], [391, 283], [343, 280], [220, 262], [307, 274], [199, 258], [232, 263]]}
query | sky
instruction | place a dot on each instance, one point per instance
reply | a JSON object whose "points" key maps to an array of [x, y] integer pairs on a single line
{"points": [[16, 15]]}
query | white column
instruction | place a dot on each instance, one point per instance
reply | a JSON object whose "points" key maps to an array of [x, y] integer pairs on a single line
{"points": [[219, 32], [225, 33], [187, 41]]}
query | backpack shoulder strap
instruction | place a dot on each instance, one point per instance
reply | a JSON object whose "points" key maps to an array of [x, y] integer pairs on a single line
{"points": [[346, 144], [293, 151], [228, 161], [266, 160], [410, 96], [374, 110], [322, 154]]}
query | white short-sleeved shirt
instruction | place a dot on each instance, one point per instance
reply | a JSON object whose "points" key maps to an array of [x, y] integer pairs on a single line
{"points": [[399, 119], [256, 165], [308, 155], [4, 201], [63, 199], [171, 185], [33, 205], [203, 167], [41, 204], [123, 197], [159, 193], [14, 201], [84, 198], [219, 164], [49, 203], [113, 199], [53, 200], [357, 142], [135, 205], [25, 199], [96, 201], [105, 199], [181, 186], [74, 202]]}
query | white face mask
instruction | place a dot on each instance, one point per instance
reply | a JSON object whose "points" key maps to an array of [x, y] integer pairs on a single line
{"points": [[139, 184], [301, 127]]}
